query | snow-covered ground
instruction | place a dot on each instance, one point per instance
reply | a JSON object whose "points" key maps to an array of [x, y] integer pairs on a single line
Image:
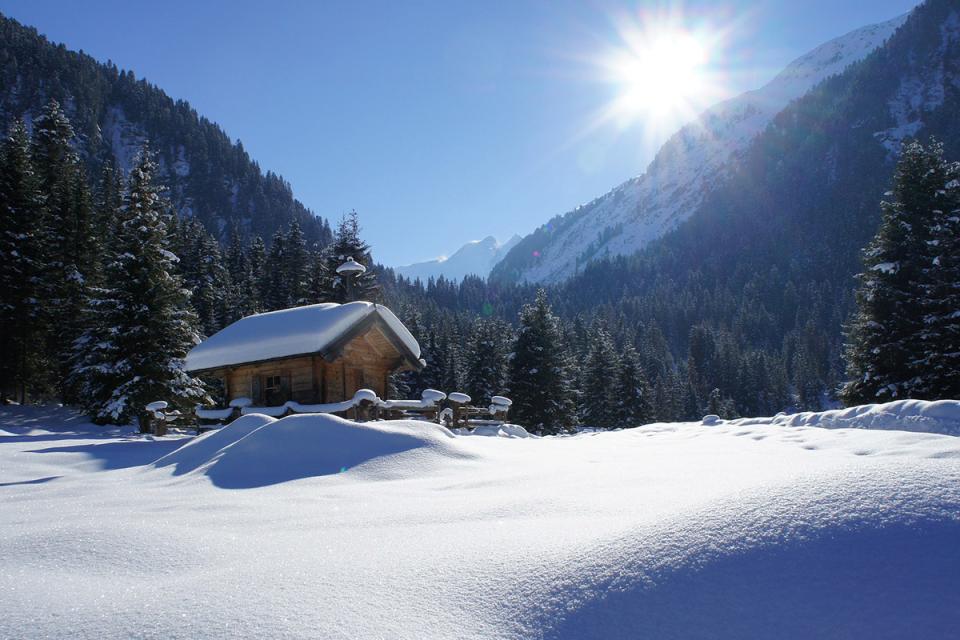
{"points": [[312, 526]]}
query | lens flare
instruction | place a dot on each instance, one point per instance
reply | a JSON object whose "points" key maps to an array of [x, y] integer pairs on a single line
{"points": [[663, 67]]}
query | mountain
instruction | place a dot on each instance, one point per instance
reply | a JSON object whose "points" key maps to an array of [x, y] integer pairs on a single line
{"points": [[692, 163], [210, 177], [744, 302], [474, 258]]}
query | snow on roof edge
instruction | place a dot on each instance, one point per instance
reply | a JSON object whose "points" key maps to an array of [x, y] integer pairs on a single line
{"points": [[289, 333]]}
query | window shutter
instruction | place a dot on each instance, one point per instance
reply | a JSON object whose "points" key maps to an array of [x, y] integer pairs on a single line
{"points": [[285, 387], [255, 390]]}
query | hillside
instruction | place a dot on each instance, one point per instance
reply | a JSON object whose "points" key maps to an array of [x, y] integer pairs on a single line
{"points": [[692, 164], [210, 177]]}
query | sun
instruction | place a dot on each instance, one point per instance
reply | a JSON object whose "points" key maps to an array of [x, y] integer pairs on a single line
{"points": [[660, 75], [663, 70]]}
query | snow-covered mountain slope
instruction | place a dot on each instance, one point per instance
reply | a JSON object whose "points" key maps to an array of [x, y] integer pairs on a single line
{"points": [[688, 166], [474, 258], [924, 89], [314, 526]]}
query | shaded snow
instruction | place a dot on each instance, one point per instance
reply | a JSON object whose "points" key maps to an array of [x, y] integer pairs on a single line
{"points": [[404, 530]]}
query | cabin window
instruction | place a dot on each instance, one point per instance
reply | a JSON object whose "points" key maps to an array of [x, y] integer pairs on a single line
{"points": [[275, 389]]}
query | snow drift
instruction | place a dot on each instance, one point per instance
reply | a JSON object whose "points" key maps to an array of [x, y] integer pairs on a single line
{"points": [[664, 531], [941, 416], [256, 450]]}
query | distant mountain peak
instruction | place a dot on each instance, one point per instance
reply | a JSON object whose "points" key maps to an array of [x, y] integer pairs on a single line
{"points": [[477, 257]]}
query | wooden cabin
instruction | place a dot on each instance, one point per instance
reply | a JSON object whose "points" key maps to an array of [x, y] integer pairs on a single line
{"points": [[317, 354]]}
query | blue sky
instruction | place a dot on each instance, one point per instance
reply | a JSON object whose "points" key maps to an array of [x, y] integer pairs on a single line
{"points": [[439, 122]]}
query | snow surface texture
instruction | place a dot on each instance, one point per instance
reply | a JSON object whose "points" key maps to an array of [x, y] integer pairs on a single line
{"points": [[942, 416], [691, 163], [289, 332], [474, 258], [312, 526]]}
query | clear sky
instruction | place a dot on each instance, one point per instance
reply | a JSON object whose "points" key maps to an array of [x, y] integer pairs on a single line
{"points": [[439, 122]]}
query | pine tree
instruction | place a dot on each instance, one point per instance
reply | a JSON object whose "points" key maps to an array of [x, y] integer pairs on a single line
{"points": [[21, 266], [346, 244], [273, 284], [601, 371], [141, 325], [540, 383], [633, 405], [68, 236], [939, 358], [452, 371], [884, 338], [256, 263], [296, 267], [487, 360]]}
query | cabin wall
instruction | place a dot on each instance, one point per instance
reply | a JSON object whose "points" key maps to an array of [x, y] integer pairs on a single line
{"points": [[365, 363]]}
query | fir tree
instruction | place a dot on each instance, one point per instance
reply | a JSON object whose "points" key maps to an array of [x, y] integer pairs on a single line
{"points": [[884, 338], [487, 360], [331, 287], [295, 264], [141, 322], [21, 266], [633, 404], [540, 383], [273, 284], [256, 263], [600, 389], [68, 235], [939, 358], [452, 371]]}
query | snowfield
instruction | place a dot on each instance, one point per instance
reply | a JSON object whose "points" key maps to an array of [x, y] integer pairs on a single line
{"points": [[312, 526]]}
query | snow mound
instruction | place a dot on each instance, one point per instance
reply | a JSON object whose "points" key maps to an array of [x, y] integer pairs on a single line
{"points": [[256, 451], [855, 555], [497, 431], [204, 448], [941, 416]]}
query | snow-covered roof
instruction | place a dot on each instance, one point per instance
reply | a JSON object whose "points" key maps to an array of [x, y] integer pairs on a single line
{"points": [[293, 332]]}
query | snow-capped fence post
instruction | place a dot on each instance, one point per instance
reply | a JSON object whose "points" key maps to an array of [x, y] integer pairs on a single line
{"points": [[458, 404], [365, 405], [499, 407], [152, 420]]}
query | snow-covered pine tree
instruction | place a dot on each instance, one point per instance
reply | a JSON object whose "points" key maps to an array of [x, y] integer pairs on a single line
{"points": [[452, 375], [487, 360], [70, 246], [273, 284], [296, 267], [540, 383], [108, 198], [600, 375], [141, 323], [346, 244], [940, 338], [21, 266], [634, 405], [408, 384], [256, 261], [884, 338]]}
